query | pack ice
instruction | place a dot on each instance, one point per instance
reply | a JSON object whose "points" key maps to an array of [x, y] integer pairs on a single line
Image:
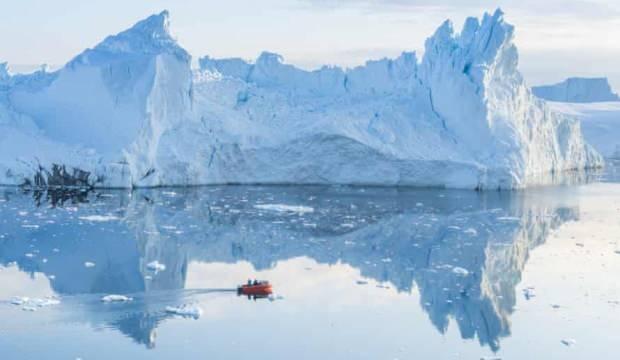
{"points": [[131, 112]]}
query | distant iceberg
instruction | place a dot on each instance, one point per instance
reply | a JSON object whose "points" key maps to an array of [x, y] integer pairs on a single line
{"points": [[132, 113], [600, 123], [577, 90]]}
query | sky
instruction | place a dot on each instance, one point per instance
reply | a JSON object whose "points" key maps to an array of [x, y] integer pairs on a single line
{"points": [[556, 38]]}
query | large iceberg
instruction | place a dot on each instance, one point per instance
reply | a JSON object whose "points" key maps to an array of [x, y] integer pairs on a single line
{"points": [[131, 112], [577, 90]]}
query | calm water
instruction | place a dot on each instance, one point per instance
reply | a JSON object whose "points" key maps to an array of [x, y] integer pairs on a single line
{"points": [[365, 273]]}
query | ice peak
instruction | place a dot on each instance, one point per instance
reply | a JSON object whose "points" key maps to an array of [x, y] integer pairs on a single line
{"points": [[269, 58], [156, 25], [148, 36]]}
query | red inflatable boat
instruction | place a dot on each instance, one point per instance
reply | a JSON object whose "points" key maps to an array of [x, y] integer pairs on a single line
{"points": [[256, 288]]}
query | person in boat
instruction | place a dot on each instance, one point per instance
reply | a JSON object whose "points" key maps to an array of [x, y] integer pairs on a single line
{"points": [[255, 282], [249, 282]]}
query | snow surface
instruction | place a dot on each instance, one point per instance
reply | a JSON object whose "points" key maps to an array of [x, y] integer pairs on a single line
{"points": [[132, 113], [600, 123], [577, 90]]}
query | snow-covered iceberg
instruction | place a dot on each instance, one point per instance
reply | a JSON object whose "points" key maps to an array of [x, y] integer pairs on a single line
{"points": [[131, 113], [577, 90]]}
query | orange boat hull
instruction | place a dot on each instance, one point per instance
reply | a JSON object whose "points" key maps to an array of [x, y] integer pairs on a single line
{"points": [[255, 290]]}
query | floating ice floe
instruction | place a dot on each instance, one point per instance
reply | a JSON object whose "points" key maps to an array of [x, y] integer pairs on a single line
{"points": [[285, 208], [156, 266], [116, 298], [460, 271], [31, 304], [471, 231], [185, 311], [19, 300], [361, 282], [89, 264], [99, 218]]}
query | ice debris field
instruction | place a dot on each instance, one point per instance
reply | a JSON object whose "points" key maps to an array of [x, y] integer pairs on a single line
{"points": [[132, 112]]}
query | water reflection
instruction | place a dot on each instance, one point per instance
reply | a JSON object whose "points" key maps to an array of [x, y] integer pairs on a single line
{"points": [[463, 251]]}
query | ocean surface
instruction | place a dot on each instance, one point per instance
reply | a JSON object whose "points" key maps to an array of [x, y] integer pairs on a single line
{"points": [[357, 273]]}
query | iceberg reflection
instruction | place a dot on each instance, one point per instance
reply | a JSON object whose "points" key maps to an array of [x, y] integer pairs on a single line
{"points": [[463, 251]]}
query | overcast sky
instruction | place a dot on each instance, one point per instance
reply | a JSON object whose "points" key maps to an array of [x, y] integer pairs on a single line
{"points": [[556, 38]]}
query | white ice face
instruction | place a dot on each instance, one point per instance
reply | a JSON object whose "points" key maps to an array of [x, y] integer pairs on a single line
{"points": [[130, 112]]}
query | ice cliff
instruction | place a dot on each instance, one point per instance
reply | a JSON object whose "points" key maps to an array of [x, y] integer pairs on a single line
{"points": [[131, 112], [577, 90]]}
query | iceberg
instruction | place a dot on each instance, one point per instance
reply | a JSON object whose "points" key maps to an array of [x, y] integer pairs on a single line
{"points": [[131, 112], [577, 90], [600, 122]]}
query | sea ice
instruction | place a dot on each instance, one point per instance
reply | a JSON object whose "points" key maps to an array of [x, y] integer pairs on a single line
{"points": [[99, 218], [116, 298], [192, 311], [285, 208], [156, 266]]}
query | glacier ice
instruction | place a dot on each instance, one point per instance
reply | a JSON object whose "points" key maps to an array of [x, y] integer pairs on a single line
{"points": [[600, 123], [577, 90], [131, 112]]}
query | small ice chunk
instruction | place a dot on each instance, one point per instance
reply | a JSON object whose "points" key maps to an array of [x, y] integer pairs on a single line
{"points": [[29, 308], [19, 300], [460, 271], [471, 231], [116, 298], [285, 208], [49, 301], [185, 311], [156, 266], [99, 218], [89, 264], [569, 342], [508, 218], [362, 282]]}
